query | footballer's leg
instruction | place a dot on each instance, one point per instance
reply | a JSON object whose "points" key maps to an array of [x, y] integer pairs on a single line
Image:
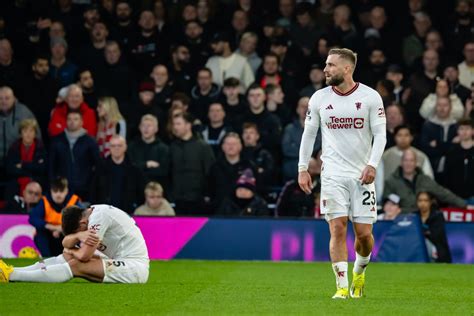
{"points": [[364, 242], [338, 252], [92, 270], [62, 258]]}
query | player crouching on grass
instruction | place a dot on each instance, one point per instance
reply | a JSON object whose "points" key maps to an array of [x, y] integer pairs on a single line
{"points": [[102, 228]]}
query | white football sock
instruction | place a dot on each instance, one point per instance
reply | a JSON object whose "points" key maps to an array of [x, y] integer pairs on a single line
{"points": [[52, 274], [361, 263], [340, 271], [43, 263]]}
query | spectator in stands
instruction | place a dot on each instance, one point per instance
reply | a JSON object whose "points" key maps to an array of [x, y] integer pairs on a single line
{"points": [[395, 75], [26, 158], [317, 81], [117, 181], [214, 132], [268, 124], [304, 33], [286, 10], [197, 44], [225, 63], [74, 102], [227, 169], [149, 153], [291, 140], [403, 141], [180, 68], [437, 135], [408, 180], [385, 88], [61, 69], [261, 158], [74, 155], [234, 102], [86, 82], [391, 208], [12, 112], [24, 202], [12, 72], [163, 87], [376, 68], [191, 161], [296, 203], [395, 117], [145, 105], [245, 201], [239, 24], [468, 112], [125, 29], [459, 27], [451, 74], [429, 105], [343, 30], [248, 49], [421, 84], [42, 91], [459, 164], [46, 217], [90, 17], [413, 44], [111, 122], [433, 227], [155, 203], [203, 94], [91, 54], [146, 47], [282, 65], [275, 103], [434, 41], [390, 38], [466, 75], [115, 78]]}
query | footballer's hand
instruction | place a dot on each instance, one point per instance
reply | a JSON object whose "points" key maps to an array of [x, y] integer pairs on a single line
{"points": [[368, 175], [88, 237], [305, 182]]}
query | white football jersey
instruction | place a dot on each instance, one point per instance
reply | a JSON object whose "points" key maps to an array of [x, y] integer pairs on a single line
{"points": [[120, 237], [345, 121]]}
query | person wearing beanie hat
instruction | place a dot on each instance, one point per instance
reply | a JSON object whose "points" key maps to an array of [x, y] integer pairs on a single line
{"points": [[391, 208], [245, 202]]}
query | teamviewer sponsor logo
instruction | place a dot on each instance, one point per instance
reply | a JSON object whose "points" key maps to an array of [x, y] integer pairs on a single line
{"points": [[345, 122]]}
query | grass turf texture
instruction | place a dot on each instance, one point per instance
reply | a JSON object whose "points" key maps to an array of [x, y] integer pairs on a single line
{"points": [[215, 287]]}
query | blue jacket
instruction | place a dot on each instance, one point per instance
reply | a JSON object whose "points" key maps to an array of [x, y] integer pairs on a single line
{"points": [[77, 165]]}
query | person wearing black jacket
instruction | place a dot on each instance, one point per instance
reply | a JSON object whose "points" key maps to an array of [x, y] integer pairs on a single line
{"points": [[191, 161], [433, 228], [118, 182], [245, 201], [74, 155], [227, 169]]}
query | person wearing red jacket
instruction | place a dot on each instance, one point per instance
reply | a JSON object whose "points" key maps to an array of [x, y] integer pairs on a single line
{"points": [[74, 101]]}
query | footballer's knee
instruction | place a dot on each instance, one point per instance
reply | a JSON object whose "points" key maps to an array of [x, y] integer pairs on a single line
{"points": [[338, 229], [364, 237], [75, 266]]}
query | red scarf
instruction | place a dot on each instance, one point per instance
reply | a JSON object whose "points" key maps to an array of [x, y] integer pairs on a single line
{"points": [[26, 155]]}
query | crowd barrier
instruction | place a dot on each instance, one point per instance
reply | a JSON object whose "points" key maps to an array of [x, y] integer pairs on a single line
{"points": [[262, 239]]}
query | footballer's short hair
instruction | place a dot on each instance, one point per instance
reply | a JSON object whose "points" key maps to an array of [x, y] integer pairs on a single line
{"points": [[71, 216], [344, 53]]}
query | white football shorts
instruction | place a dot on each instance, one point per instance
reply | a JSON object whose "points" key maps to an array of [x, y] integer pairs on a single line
{"points": [[342, 196], [126, 270]]}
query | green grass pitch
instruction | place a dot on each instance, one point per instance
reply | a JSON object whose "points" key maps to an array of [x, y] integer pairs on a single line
{"points": [[184, 287]]}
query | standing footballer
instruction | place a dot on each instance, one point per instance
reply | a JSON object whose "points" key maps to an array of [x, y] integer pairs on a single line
{"points": [[350, 115]]}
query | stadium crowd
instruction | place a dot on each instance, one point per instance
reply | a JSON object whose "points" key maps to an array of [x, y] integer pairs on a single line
{"points": [[197, 107]]}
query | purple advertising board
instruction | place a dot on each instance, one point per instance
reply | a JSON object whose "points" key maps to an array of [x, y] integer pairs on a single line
{"points": [[260, 239]]}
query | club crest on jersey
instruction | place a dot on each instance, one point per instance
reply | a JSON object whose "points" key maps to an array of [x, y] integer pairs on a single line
{"points": [[358, 105]]}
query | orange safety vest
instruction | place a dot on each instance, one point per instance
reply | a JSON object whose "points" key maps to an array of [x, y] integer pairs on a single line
{"points": [[50, 215]]}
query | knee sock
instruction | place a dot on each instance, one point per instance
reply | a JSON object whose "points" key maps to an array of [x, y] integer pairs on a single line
{"points": [[51, 274], [340, 271], [43, 263], [361, 263]]}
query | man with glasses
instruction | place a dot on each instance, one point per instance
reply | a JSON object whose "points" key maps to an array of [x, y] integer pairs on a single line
{"points": [[23, 204]]}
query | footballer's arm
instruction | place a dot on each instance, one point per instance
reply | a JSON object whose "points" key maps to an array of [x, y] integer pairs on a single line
{"points": [[88, 241]]}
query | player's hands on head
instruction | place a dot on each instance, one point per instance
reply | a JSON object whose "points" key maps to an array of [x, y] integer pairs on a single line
{"points": [[305, 182], [89, 238], [368, 175]]}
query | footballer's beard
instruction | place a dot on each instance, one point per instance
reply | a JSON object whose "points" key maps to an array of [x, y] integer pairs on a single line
{"points": [[335, 80]]}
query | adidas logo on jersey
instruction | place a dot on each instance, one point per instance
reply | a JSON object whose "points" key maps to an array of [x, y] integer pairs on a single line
{"points": [[329, 107]]}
